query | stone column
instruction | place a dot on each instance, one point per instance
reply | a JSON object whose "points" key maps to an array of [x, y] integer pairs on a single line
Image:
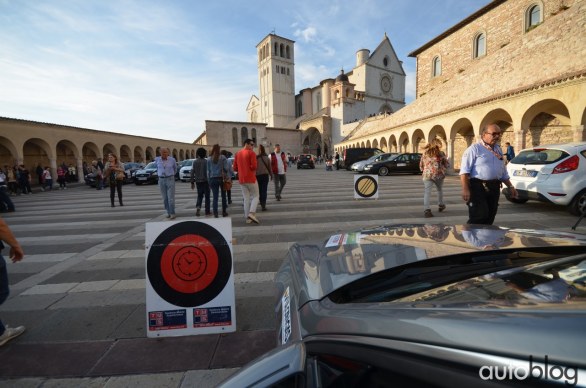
{"points": [[80, 177], [579, 133], [450, 153]]}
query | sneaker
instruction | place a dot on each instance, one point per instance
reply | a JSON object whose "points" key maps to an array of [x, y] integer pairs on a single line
{"points": [[248, 221], [10, 333], [253, 218], [198, 212], [173, 216], [168, 216], [208, 214], [225, 214], [427, 213], [264, 208], [441, 208]]}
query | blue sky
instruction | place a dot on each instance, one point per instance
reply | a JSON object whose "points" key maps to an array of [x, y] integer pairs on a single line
{"points": [[161, 68]]}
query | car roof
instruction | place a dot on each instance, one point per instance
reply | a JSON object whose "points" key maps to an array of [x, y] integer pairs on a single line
{"points": [[562, 146], [323, 267]]}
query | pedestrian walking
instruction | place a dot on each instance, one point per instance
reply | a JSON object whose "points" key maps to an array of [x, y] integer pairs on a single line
{"points": [[433, 166], [263, 174], [509, 152], [482, 173], [228, 188], [217, 170], [199, 179], [279, 168], [245, 164], [47, 178], [114, 172], [61, 178], [16, 254], [166, 169], [24, 180]]}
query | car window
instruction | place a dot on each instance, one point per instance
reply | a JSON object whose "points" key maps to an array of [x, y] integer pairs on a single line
{"points": [[560, 281], [539, 156], [152, 165]]}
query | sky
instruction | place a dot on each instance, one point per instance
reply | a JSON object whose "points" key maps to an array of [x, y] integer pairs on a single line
{"points": [[161, 68]]}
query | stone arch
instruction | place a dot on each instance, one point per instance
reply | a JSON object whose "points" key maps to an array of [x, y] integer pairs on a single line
{"points": [[375, 143], [383, 145], [393, 144], [504, 120], [138, 155], [243, 134], [182, 155], [8, 154], [89, 152], [418, 140], [311, 138], [368, 145], [362, 144], [174, 153], [125, 154], [109, 148], [66, 152], [403, 143], [546, 122], [151, 154], [462, 136], [437, 131], [37, 150]]}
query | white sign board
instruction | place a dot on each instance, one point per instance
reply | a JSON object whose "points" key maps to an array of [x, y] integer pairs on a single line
{"points": [[189, 277]]}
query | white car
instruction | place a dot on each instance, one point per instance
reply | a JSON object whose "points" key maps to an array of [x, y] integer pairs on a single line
{"points": [[185, 171], [551, 173], [359, 166]]}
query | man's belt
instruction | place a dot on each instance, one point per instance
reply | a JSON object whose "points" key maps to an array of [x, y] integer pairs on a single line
{"points": [[488, 182]]}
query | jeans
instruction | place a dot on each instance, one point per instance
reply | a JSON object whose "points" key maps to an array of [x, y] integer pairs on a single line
{"points": [[250, 194], [167, 187], [280, 181], [4, 291], [203, 190], [115, 185], [215, 184], [6, 203], [428, 184], [263, 188]]}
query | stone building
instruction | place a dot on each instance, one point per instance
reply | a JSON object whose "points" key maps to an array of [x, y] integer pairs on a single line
{"points": [[31, 143], [519, 63]]}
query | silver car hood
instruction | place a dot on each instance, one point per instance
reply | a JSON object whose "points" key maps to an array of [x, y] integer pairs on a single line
{"points": [[315, 269]]}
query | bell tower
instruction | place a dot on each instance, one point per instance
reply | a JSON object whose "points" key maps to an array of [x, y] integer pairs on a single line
{"points": [[276, 74]]}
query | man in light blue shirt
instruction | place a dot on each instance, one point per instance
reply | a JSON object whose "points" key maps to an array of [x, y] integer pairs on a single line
{"points": [[166, 169], [481, 174]]}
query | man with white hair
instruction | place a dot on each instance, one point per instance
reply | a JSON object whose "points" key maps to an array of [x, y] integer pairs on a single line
{"points": [[166, 169]]}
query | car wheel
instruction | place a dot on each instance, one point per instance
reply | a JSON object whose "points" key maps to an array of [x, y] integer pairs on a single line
{"points": [[515, 200], [578, 205], [383, 171]]}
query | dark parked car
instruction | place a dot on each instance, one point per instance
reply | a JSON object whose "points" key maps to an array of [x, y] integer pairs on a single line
{"points": [[147, 174], [404, 163], [428, 306], [130, 168], [353, 155], [306, 161]]}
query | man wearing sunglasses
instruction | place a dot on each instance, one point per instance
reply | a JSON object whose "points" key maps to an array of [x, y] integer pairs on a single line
{"points": [[482, 173]]}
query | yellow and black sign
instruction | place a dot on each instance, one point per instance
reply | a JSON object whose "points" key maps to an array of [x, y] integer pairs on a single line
{"points": [[365, 186]]}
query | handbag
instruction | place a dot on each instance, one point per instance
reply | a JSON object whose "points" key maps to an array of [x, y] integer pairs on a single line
{"points": [[226, 182], [119, 175]]}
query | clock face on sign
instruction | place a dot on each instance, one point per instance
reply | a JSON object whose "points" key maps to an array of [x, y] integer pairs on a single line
{"points": [[385, 84]]}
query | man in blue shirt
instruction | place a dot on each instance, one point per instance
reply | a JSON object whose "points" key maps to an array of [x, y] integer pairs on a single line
{"points": [[166, 169], [481, 174]]}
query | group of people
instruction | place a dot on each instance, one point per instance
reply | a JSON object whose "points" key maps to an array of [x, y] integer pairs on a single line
{"points": [[255, 170], [482, 173]]}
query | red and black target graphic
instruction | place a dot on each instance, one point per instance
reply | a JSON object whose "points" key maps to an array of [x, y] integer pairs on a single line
{"points": [[366, 186], [189, 264]]}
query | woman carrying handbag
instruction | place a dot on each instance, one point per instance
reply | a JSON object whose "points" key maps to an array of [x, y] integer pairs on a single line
{"points": [[263, 174]]}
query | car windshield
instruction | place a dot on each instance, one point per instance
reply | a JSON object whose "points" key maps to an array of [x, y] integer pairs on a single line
{"points": [[151, 165], [539, 156]]}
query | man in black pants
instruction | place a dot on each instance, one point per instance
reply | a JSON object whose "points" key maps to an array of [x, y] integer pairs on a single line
{"points": [[481, 174]]}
